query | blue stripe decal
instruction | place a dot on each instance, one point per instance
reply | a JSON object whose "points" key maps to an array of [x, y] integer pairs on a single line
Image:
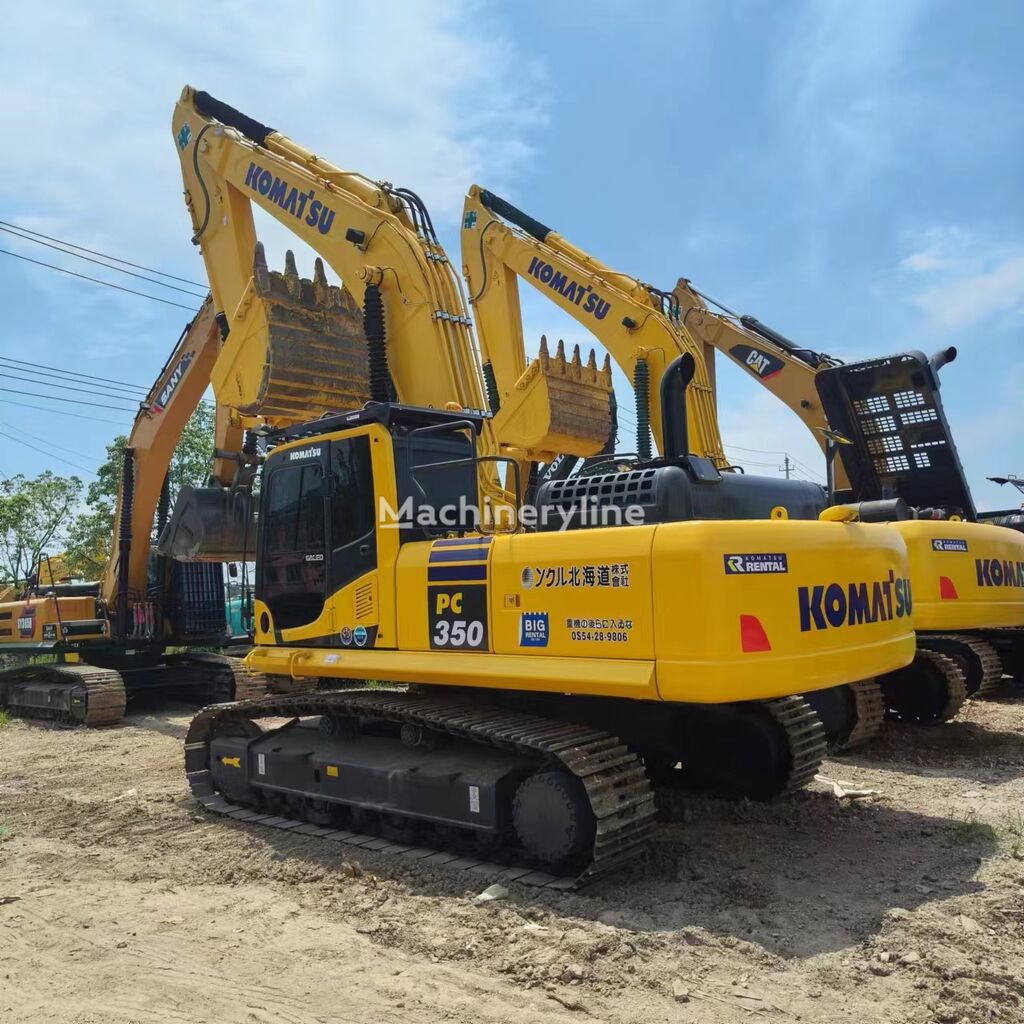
{"points": [[452, 542], [459, 555], [456, 573]]}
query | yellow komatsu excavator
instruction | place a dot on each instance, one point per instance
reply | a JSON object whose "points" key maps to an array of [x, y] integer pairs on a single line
{"points": [[557, 671], [884, 432], [640, 327], [102, 640]]}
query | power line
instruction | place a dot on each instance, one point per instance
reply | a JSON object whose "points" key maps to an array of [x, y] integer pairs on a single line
{"points": [[115, 259], [100, 263], [96, 280], [65, 387], [75, 373], [82, 386], [50, 455], [60, 412], [43, 440], [807, 469], [60, 398], [756, 451]]}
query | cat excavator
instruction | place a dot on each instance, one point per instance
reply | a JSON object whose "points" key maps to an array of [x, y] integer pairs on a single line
{"points": [[884, 432], [553, 671], [641, 329], [84, 647]]}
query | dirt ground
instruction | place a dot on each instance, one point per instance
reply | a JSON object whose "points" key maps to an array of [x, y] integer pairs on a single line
{"points": [[121, 901]]}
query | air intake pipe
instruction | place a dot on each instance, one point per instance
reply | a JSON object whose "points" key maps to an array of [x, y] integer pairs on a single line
{"points": [[676, 379]]}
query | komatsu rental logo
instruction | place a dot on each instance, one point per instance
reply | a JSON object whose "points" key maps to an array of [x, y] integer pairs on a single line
{"points": [[568, 288], [750, 565], [943, 544], [853, 604], [995, 573], [319, 215]]}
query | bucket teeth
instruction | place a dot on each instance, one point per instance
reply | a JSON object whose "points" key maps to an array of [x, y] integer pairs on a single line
{"points": [[260, 271], [560, 404], [314, 348], [575, 369]]}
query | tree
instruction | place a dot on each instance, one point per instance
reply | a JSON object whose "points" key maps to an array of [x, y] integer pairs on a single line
{"points": [[35, 516], [90, 536]]}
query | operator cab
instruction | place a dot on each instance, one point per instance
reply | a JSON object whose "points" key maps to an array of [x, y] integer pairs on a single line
{"points": [[323, 501]]}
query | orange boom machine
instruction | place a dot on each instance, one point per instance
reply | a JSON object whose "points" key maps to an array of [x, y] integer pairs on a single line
{"points": [[128, 631]]}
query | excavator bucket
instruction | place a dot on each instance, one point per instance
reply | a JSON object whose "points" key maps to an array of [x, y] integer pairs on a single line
{"points": [[295, 348], [210, 524], [559, 406]]}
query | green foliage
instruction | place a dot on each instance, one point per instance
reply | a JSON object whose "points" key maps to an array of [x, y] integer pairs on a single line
{"points": [[3, 719], [90, 535], [35, 515]]}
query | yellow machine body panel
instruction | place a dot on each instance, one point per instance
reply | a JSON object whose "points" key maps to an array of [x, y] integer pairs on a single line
{"points": [[965, 575], [38, 620], [695, 611]]}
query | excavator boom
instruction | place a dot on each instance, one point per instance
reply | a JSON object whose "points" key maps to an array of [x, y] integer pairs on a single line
{"points": [[501, 245]]}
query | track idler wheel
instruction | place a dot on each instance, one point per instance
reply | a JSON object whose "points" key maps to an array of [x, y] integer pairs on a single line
{"points": [[553, 818], [930, 689]]}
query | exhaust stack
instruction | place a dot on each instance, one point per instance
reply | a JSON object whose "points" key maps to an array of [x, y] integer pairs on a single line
{"points": [[674, 428]]}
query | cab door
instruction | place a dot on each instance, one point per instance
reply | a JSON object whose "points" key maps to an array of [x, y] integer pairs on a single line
{"points": [[353, 518], [291, 576]]}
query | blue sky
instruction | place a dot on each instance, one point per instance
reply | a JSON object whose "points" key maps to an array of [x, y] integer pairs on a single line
{"points": [[847, 172]]}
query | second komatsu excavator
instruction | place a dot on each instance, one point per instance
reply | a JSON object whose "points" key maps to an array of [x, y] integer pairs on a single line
{"points": [[641, 329], [884, 431], [553, 672]]}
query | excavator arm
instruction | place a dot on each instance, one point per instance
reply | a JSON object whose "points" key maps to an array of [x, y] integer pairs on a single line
{"points": [[633, 321], [378, 239], [785, 369], [158, 426]]}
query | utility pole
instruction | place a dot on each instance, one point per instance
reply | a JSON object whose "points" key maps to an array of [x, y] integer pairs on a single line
{"points": [[787, 466]]}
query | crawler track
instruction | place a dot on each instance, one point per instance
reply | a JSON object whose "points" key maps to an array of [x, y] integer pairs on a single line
{"points": [[977, 658], [870, 709], [228, 680], [72, 694], [805, 737], [929, 690], [615, 782]]}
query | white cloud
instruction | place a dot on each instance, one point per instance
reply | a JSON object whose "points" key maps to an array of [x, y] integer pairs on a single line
{"points": [[963, 279], [839, 90], [703, 237], [972, 300], [430, 96]]}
